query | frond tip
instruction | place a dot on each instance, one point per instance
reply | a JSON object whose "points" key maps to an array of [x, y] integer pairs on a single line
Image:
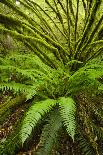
{"points": [[68, 110]]}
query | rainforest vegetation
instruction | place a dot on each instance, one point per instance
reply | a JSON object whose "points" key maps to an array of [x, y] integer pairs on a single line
{"points": [[51, 77]]}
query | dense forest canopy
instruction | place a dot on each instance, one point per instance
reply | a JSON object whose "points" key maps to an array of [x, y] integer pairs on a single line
{"points": [[51, 76]]}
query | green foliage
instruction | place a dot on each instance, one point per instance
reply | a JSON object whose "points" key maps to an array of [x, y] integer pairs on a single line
{"points": [[68, 109], [86, 78], [85, 145], [34, 114], [49, 136], [63, 58]]}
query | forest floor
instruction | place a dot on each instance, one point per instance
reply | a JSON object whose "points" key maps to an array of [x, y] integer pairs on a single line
{"points": [[8, 125]]}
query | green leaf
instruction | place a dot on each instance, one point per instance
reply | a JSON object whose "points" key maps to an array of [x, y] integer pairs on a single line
{"points": [[68, 110], [34, 114]]}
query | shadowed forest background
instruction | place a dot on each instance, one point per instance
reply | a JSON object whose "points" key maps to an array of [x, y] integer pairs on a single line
{"points": [[51, 77]]}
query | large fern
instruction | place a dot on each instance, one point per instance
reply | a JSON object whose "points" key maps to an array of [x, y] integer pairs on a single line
{"points": [[64, 59]]}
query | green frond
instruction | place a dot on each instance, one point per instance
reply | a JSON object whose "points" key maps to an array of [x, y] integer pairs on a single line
{"points": [[28, 74], [25, 61], [15, 70], [34, 114], [10, 145], [17, 88], [87, 76], [50, 133], [68, 111], [25, 74], [85, 145]]}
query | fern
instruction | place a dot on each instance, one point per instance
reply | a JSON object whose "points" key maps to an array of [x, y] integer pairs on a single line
{"points": [[36, 111], [21, 74], [68, 110], [49, 136], [87, 76], [63, 58], [18, 88]]}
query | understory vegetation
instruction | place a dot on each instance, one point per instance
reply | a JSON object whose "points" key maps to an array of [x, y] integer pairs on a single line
{"points": [[51, 74]]}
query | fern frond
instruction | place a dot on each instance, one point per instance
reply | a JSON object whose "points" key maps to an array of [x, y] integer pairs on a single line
{"points": [[18, 88], [26, 74], [85, 145], [17, 71], [29, 74], [34, 114], [10, 145], [87, 76], [68, 111], [50, 133]]}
